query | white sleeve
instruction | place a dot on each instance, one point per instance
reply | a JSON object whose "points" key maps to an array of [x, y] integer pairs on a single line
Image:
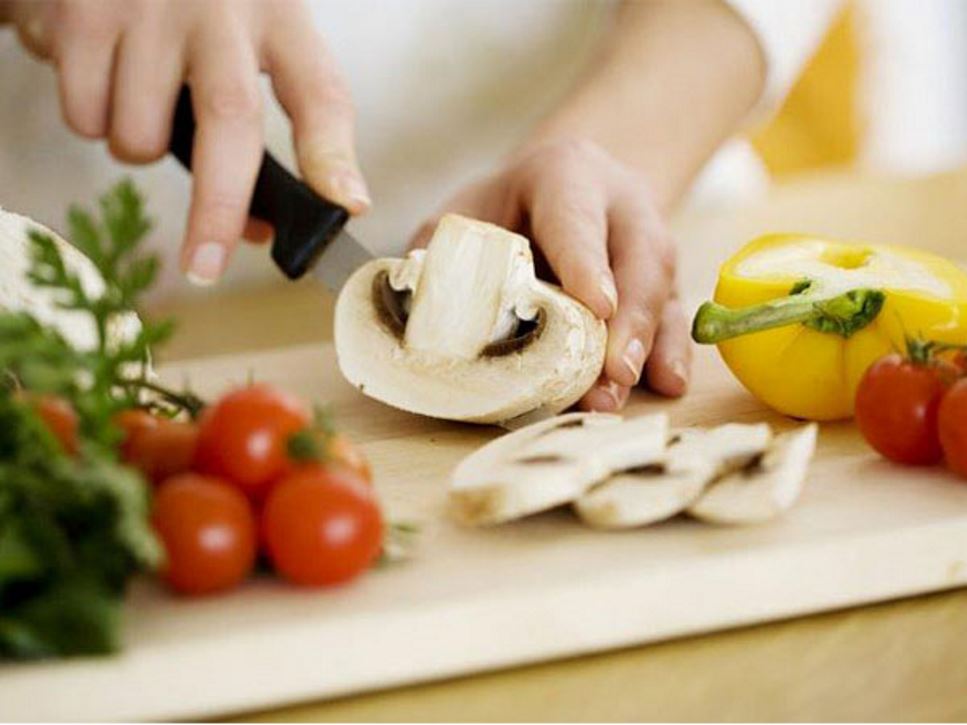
{"points": [[789, 32]]}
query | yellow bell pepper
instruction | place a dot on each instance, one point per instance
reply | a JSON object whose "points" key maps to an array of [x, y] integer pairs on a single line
{"points": [[798, 319]]}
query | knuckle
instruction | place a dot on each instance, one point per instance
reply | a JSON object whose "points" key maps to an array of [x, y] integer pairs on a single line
{"points": [[83, 127], [576, 149], [86, 20], [667, 257], [136, 144], [557, 162], [641, 318], [569, 222], [582, 210], [555, 158], [83, 117], [638, 184], [219, 213], [328, 98], [332, 94], [565, 260], [232, 101]]}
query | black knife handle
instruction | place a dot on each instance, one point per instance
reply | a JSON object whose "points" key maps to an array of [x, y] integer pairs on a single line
{"points": [[303, 221]]}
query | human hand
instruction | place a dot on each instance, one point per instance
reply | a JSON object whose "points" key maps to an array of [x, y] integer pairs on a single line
{"points": [[593, 221], [121, 63]]}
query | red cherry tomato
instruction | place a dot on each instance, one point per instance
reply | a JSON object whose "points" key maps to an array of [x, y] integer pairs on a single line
{"points": [[158, 447], [133, 421], [896, 409], [244, 437], [208, 532], [60, 418], [952, 423], [959, 363], [322, 526]]}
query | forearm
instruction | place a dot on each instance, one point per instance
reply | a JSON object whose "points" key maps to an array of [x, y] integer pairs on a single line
{"points": [[672, 81]]}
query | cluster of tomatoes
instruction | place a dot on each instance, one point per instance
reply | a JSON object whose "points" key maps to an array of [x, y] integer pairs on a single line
{"points": [[913, 409], [255, 475]]}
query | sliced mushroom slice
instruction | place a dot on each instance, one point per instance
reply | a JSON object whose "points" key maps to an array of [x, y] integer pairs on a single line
{"points": [[765, 487], [694, 458], [551, 463], [466, 331]]}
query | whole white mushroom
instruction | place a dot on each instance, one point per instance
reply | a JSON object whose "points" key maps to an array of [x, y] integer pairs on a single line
{"points": [[466, 331]]}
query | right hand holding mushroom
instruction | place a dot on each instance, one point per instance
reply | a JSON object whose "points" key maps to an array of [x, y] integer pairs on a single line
{"points": [[593, 221]]}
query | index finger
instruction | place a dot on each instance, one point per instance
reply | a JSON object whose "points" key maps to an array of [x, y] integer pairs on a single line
{"points": [[569, 224], [227, 150], [318, 102]]}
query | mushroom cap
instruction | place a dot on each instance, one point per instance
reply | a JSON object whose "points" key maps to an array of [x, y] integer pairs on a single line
{"points": [[18, 294], [472, 336]]}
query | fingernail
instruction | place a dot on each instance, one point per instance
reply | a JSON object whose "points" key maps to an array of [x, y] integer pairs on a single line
{"points": [[206, 264], [352, 189], [634, 358], [610, 292]]}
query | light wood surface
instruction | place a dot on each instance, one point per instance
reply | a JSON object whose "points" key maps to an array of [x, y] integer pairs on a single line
{"points": [[889, 662], [890, 532], [894, 661]]}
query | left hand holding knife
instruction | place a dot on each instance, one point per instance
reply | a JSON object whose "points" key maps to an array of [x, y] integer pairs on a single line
{"points": [[121, 65]]}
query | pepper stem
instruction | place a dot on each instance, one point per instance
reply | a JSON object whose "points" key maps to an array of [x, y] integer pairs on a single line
{"points": [[842, 314]]}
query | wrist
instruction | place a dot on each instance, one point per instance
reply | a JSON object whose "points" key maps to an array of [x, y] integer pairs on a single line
{"points": [[646, 182], [655, 100], [649, 179]]}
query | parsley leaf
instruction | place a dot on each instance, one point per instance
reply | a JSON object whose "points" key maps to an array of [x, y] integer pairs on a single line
{"points": [[74, 529]]}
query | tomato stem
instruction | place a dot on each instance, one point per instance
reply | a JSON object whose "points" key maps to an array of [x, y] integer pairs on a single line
{"points": [[400, 539], [185, 400], [842, 314], [304, 446], [923, 352]]}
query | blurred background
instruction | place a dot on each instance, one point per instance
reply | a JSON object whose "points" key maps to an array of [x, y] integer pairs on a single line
{"points": [[886, 91], [883, 92]]}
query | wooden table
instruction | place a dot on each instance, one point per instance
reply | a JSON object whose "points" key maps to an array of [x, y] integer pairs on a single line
{"points": [[894, 661]]}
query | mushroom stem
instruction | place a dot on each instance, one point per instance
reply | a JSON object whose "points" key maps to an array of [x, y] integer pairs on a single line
{"points": [[464, 330], [842, 314]]}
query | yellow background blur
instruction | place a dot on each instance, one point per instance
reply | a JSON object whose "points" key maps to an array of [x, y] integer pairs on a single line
{"points": [[818, 124]]}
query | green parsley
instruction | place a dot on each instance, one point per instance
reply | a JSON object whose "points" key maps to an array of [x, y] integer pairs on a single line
{"points": [[75, 529]]}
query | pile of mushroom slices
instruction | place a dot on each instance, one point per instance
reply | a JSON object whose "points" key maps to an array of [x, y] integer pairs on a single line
{"points": [[465, 331], [617, 473]]}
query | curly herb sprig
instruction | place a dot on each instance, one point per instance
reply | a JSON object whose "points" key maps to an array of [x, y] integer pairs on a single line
{"points": [[112, 375], [74, 528]]}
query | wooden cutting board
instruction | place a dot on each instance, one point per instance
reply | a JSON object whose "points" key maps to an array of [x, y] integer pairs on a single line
{"points": [[534, 590]]}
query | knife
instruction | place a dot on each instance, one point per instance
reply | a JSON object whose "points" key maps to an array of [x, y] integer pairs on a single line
{"points": [[310, 232]]}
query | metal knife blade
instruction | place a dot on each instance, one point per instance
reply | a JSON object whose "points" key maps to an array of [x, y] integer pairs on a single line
{"points": [[309, 230], [339, 260]]}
